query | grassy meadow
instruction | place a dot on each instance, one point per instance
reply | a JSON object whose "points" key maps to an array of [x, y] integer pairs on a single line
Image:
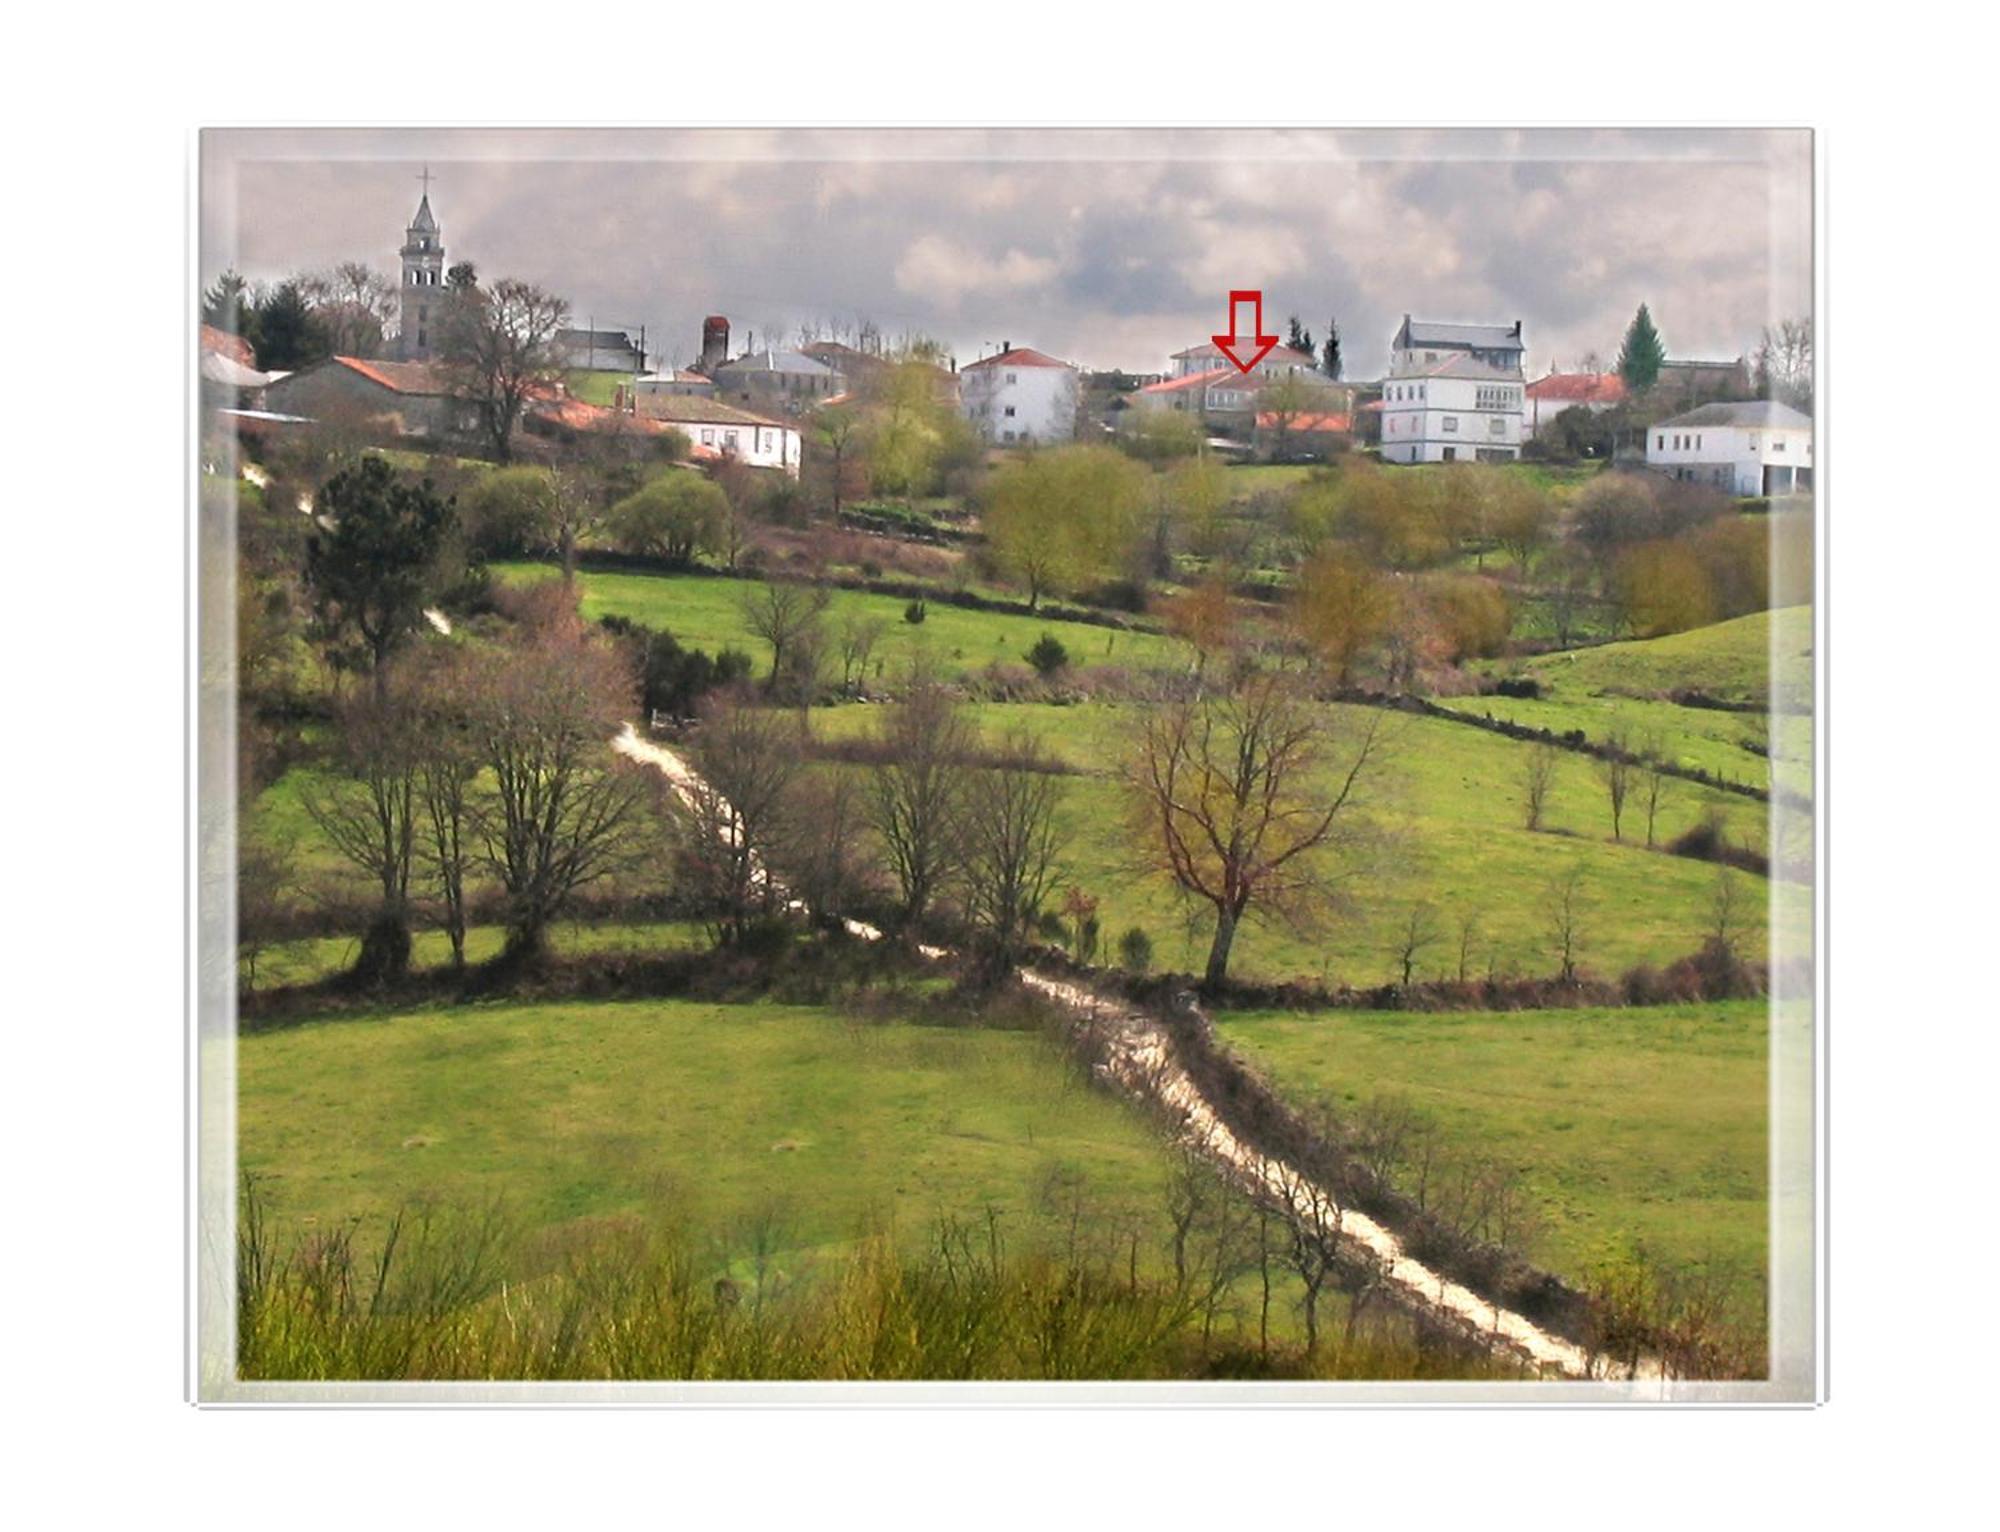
{"points": [[704, 612], [1632, 1128]]}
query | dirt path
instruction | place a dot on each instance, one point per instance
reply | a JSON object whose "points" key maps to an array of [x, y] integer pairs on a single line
{"points": [[1142, 1061]]}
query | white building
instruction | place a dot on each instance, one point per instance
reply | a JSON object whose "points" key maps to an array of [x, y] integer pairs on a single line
{"points": [[1278, 362], [716, 430], [1758, 447], [1020, 395], [1452, 411]]}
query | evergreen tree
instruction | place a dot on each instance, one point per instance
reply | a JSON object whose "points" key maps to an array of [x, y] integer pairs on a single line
{"points": [[1330, 358], [224, 305], [463, 275], [1639, 359], [1297, 336], [289, 335]]}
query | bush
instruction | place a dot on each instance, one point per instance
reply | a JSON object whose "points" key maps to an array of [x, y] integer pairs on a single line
{"points": [[1048, 655], [915, 613], [1135, 950], [1519, 686]]}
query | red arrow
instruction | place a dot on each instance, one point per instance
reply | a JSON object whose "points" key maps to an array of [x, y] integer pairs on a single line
{"points": [[1230, 342]]}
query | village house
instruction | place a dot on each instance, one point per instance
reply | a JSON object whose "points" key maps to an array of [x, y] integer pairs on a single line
{"points": [[1020, 395], [392, 397], [1548, 397], [1685, 384], [1455, 394], [716, 430], [600, 351], [785, 382], [1750, 447], [1278, 362], [682, 380]]}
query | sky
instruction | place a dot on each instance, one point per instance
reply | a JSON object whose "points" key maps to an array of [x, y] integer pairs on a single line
{"points": [[1106, 247]]}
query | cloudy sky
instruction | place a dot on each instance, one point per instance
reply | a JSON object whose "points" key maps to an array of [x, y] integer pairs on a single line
{"points": [[1106, 247]]}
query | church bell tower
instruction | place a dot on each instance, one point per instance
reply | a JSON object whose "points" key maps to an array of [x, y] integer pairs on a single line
{"points": [[422, 303]]}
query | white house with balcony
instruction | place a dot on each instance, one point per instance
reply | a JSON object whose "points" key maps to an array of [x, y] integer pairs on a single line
{"points": [[1020, 395], [1454, 410], [1757, 447]]}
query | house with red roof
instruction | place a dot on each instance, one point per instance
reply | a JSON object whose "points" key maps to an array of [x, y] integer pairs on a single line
{"points": [[1021, 395], [1548, 397], [398, 398]]}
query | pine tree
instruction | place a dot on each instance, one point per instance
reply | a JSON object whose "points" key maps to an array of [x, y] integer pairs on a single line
{"points": [[289, 335], [1640, 358], [1330, 361], [226, 304]]}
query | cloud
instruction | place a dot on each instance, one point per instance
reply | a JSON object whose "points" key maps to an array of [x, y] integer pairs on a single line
{"points": [[1113, 247]]}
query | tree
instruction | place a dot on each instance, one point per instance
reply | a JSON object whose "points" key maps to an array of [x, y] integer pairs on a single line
{"points": [[672, 517], [1330, 360], [1009, 841], [1242, 795], [561, 808], [1563, 911], [379, 556], [288, 335], [1538, 778], [367, 811], [1297, 336], [1662, 587], [1519, 517], [1285, 401], [1657, 781], [914, 793], [1047, 655], [1204, 618], [447, 768], [353, 305], [787, 615], [740, 806], [462, 278], [1062, 517], [498, 347], [1420, 931], [1342, 608], [1784, 364], [224, 304], [1640, 357], [859, 632], [1161, 436], [1617, 767]]}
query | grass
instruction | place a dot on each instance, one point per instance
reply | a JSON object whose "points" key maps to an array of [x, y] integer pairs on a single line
{"points": [[1765, 657], [1632, 1128], [1449, 804], [598, 388], [704, 612], [725, 1116], [320, 957]]}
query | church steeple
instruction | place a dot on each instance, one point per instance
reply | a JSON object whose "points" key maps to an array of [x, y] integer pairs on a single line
{"points": [[423, 279]]}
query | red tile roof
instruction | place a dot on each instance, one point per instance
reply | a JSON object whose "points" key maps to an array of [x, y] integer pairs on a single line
{"points": [[419, 378], [222, 343], [1308, 423], [1579, 387], [1192, 380], [579, 416], [1019, 356]]}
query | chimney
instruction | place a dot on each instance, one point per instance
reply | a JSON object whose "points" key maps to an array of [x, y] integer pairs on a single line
{"points": [[714, 344]]}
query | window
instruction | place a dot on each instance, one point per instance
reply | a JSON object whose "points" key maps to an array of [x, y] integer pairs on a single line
{"points": [[1496, 427], [1451, 422], [707, 437], [1777, 444], [1013, 378], [1660, 445], [1009, 412], [1451, 454], [729, 440], [1753, 443]]}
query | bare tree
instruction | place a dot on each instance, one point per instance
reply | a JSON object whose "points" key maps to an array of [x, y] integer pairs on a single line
{"points": [[367, 811], [1420, 931], [561, 805], [1538, 779], [1313, 1221], [1241, 795], [1563, 911], [915, 790], [825, 858], [498, 346], [1658, 780], [786, 615], [1616, 769], [1726, 916], [266, 867], [447, 768], [1008, 844], [1469, 932], [740, 806], [860, 632]]}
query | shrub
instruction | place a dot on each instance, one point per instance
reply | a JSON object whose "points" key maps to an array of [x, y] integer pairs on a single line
{"points": [[915, 613], [1518, 686], [1135, 950], [1048, 655]]}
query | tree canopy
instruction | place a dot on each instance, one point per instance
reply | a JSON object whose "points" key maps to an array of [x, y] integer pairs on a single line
{"points": [[1641, 356]]}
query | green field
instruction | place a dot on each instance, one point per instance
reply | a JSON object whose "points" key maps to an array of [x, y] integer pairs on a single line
{"points": [[320, 957], [572, 1116], [1630, 1127], [1448, 808], [1763, 658], [704, 612]]}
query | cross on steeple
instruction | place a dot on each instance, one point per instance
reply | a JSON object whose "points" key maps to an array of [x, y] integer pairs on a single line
{"points": [[426, 179]]}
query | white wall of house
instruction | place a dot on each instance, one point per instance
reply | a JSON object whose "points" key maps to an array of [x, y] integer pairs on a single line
{"points": [[763, 445], [1013, 404], [1446, 420], [1740, 460]]}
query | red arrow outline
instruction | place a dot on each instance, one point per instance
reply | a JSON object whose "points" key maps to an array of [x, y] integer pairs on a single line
{"points": [[1229, 343]]}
